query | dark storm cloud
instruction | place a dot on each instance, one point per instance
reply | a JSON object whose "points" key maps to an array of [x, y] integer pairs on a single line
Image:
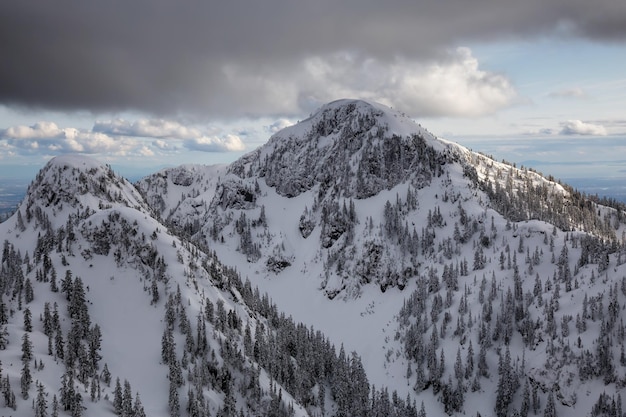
{"points": [[236, 57]]}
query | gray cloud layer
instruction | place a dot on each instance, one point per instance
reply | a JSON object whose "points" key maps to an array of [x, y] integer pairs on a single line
{"points": [[256, 57]]}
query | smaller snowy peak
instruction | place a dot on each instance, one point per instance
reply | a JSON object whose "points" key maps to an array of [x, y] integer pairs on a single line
{"points": [[80, 162], [354, 148], [72, 184]]}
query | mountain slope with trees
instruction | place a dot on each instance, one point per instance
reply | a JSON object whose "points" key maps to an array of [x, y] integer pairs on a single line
{"points": [[353, 265], [444, 257], [104, 311]]}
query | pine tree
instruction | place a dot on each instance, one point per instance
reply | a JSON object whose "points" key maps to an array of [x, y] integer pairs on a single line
{"points": [[458, 366], [94, 340], [41, 404], [53, 281], [118, 404], [483, 368], [66, 285], [138, 410], [47, 320], [27, 349], [469, 362], [106, 375], [550, 410], [525, 407], [25, 380], [505, 388], [127, 400], [28, 320], [29, 294], [55, 406], [77, 405], [93, 389], [59, 344], [154, 289], [536, 401], [174, 404], [4, 337]]}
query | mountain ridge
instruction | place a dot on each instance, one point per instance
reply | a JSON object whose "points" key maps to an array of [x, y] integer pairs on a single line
{"points": [[120, 269], [517, 277]]}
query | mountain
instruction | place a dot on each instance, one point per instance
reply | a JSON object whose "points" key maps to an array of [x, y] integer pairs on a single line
{"points": [[360, 178], [355, 264], [104, 310], [405, 248]]}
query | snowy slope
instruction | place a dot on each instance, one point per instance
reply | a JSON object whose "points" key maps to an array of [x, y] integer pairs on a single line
{"points": [[133, 302], [181, 195], [360, 202], [462, 283]]}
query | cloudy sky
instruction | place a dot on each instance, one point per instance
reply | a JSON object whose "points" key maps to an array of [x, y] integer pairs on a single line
{"points": [[147, 83]]}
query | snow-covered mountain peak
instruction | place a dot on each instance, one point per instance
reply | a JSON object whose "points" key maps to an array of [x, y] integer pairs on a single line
{"points": [[395, 122], [352, 148], [355, 114], [75, 185], [81, 162]]}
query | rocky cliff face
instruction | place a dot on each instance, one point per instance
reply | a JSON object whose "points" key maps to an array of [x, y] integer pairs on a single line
{"points": [[350, 148]]}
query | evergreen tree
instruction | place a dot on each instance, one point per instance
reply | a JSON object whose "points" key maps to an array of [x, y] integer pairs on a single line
{"points": [[174, 404], [94, 340], [41, 404], [27, 349], [422, 412], [154, 290], [29, 294], [525, 407], [469, 362], [53, 281], [47, 320], [127, 400], [138, 410], [55, 406], [77, 405], [506, 385], [550, 410], [25, 380], [118, 403], [67, 284], [28, 320], [59, 344], [106, 375]]}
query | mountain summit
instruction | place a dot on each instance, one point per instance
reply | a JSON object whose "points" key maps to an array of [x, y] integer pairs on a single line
{"points": [[352, 147]]}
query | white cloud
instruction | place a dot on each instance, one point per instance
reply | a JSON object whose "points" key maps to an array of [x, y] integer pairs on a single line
{"points": [[566, 93], [578, 127], [48, 137], [216, 144], [451, 86], [278, 125], [167, 132], [117, 137], [40, 130], [456, 87], [164, 145], [152, 128]]}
